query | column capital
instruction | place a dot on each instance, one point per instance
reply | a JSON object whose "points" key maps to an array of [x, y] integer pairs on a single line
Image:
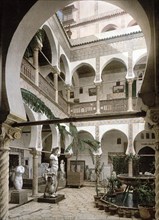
{"points": [[153, 115], [68, 87], [7, 133], [130, 80], [55, 69], [97, 83], [152, 119], [35, 152]]}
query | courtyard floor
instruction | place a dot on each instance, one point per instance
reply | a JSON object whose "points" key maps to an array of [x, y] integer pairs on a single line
{"points": [[77, 205]]}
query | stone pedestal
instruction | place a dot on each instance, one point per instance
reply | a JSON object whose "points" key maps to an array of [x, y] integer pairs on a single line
{"points": [[19, 197], [56, 199]]}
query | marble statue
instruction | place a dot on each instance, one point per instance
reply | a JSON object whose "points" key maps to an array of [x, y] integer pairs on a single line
{"points": [[62, 168], [51, 175], [18, 177]]}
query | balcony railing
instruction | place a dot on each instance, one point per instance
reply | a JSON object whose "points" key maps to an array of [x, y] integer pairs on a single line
{"points": [[116, 104], [28, 70], [46, 87], [87, 108]]}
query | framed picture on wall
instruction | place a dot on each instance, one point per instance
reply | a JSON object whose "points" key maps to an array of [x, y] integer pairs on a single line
{"points": [[71, 95], [92, 91], [118, 89]]}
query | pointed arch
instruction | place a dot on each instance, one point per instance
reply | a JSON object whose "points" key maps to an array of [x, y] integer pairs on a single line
{"points": [[50, 36], [109, 27], [121, 60]]}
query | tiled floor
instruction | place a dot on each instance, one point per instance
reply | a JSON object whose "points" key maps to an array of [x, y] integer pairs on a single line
{"points": [[77, 205]]}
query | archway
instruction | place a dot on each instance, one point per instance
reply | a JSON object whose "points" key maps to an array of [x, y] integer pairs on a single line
{"points": [[147, 160], [114, 142], [113, 75], [83, 77], [45, 11]]}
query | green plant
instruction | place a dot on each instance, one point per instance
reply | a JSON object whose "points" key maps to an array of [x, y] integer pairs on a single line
{"points": [[98, 170], [114, 184], [146, 194], [37, 39], [79, 144]]}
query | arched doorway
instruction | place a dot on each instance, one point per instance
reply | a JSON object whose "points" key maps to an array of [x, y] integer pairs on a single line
{"points": [[147, 160]]}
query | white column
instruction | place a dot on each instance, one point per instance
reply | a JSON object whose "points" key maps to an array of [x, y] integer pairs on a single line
{"points": [[130, 167], [35, 154], [56, 86], [98, 98], [130, 101], [68, 89], [36, 64]]}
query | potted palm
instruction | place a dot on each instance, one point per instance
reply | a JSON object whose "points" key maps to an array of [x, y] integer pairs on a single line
{"points": [[146, 200], [75, 178]]}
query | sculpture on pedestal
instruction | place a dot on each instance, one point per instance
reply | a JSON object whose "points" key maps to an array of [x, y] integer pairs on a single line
{"points": [[52, 172], [18, 177], [62, 168]]}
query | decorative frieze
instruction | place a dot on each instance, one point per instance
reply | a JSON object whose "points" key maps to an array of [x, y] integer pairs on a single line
{"points": [[102, 48]]}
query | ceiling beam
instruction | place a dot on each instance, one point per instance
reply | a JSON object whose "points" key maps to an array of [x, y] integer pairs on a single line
{"points": [[109, 116]]}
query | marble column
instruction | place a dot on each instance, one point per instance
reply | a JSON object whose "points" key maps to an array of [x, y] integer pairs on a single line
{"points": [[98, 98], [68, 89], [36, 63], [130, 167], [35, 155], [56, 86], [130, 101], [6, 135]]}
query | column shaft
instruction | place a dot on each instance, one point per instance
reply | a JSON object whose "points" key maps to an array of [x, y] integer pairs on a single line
{"points": [[130, 104], [130, 167], [35, 173], [6, 135], [98, 99], [36, 64], [56, 87], [4, 183]]}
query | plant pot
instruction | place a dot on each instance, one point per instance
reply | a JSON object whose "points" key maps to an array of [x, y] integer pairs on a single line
{"points": [[121, 212], [136, 214], [128, 213], [112, 210], [96, 204], [96, 198], [106, 208], [75, 179], [101, 206], [146, 212]]}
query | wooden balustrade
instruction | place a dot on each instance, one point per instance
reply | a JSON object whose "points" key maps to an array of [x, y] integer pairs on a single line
{"points": [[45, 86], [76, 109], [28, 70], [62, 103], [87, 108], [115, 105]]}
